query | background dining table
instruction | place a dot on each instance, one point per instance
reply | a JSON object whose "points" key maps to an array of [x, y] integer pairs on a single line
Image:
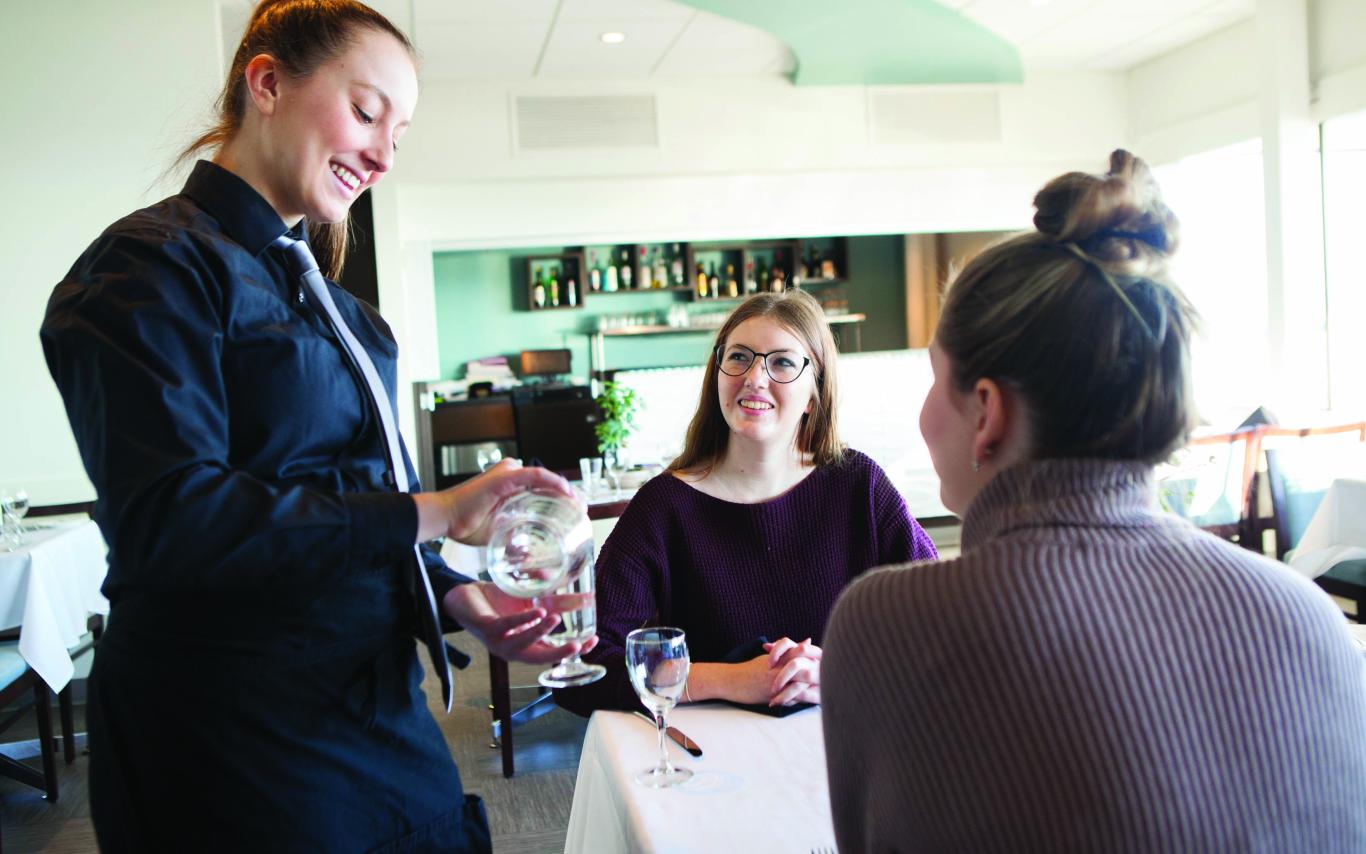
{"points": [[49, 587], [1336, 532], [759, 786]]}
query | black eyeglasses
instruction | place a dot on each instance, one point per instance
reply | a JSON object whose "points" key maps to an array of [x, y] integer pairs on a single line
{"points": [[780, 365]]}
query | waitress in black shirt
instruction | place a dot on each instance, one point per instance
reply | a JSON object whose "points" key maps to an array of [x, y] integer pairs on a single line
{"points": [[258, 686]]}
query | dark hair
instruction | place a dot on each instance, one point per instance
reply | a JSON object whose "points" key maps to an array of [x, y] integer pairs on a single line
{"points": [[301, 35], [1080, 319], [800, 314]]}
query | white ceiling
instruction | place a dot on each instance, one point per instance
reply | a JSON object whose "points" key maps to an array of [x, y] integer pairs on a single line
{"points": [[559, 39]]}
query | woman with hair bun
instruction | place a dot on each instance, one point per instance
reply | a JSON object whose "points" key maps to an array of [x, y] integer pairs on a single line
{"points": [[1091, 673], [751, 534]]}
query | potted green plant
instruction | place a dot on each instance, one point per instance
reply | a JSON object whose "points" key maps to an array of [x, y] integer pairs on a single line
{"points": [[618, 404]]}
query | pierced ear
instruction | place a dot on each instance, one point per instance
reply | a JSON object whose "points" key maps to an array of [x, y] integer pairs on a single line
{"points": [[262, 77]]}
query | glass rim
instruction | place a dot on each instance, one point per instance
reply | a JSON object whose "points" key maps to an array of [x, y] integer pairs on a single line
{"points": [[663, 634]]}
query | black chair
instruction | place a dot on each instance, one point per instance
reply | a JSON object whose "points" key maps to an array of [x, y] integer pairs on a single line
{"points": [[1213, 483], [19, 681]]}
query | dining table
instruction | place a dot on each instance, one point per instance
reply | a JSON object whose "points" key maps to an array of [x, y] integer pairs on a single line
{"points": [[49, 587], [1336, 532], [759, 785]]}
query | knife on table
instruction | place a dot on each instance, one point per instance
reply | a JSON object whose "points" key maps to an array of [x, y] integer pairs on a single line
{"points": [[673, 733]]}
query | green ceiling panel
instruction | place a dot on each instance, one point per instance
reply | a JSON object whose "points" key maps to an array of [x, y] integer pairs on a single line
{"points": [[878, 42]]}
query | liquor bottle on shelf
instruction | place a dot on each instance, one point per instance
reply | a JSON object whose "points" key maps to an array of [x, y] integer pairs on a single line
{"points": [[828, 269], [676, 267], [813, 263], [572, 291], [660, 277], [804, 270], [701, 281], [625, 272], [538, 289], [751, 283], [554, 287], [609, 279], [713, 282], [778, 283], [732, 286], [594, 272], [762, 280], [643, 281]]}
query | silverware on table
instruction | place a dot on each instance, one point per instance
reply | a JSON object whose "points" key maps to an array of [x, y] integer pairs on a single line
{"points": [[675, 734]]}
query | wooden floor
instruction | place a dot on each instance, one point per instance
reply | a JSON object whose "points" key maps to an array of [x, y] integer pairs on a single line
{"points": [[528, 813]]}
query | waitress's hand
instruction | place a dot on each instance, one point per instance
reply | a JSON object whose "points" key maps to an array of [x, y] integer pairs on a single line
{"points": [[512, 628], [464, 512]]}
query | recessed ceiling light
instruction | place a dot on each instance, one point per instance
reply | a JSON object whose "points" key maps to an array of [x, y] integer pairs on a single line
{"points": [[612, 38]]}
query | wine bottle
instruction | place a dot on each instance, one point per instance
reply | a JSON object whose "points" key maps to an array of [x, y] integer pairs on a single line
{"points": [[594, 272], [609, 280], [538, 289], [554, 287], [644, 280], [625, 273], [701, 281], [676, 267], [762, 280], [572, 290], [714, 282], [732, 286], [660, 279], [751, 283]]}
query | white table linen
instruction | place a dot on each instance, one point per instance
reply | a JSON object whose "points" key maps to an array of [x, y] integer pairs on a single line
{"points": [[1337, 532], [759, 786], [49, 586]]}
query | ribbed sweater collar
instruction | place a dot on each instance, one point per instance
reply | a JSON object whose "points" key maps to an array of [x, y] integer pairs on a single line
{"points": [[1060, 493]]}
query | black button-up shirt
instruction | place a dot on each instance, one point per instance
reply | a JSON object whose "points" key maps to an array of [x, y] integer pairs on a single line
{"points": [[241, 477]]}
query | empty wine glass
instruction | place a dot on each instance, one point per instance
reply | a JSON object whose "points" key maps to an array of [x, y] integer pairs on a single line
{"points": [[657, 662], [542, 542], [14, 505]]}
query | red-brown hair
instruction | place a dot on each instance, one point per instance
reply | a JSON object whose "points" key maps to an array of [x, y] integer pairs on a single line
{"points": [[301, 35]]}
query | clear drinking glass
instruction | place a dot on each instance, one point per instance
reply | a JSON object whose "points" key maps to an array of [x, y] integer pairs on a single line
{"points": [[657, 662], [13, 506], [541, 543]]}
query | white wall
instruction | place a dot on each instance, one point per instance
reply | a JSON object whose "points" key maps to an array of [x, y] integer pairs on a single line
{"points": [[1204, 95], [99, 98]]}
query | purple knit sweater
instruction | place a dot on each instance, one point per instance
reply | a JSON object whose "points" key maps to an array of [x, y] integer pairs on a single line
{"points": [[1092, 675], [727, 573]]}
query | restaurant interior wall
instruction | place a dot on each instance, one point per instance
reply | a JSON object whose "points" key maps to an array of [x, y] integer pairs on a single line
{"points": [[477, 312], [104, 96]]}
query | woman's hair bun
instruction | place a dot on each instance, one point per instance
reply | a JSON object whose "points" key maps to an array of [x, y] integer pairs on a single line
{"points": [[1117, 219]]}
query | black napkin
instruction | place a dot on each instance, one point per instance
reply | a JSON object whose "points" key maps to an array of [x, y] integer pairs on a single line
{"points": [[744, 652]]}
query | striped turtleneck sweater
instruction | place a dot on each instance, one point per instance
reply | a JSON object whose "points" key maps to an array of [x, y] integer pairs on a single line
{"points": [[1092, 674]]}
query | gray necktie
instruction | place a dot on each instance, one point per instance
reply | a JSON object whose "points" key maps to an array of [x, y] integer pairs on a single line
{"points": [[302, 262]]}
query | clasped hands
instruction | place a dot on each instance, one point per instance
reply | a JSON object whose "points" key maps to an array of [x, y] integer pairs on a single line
{"points": [[788, 672], [511, 627]]}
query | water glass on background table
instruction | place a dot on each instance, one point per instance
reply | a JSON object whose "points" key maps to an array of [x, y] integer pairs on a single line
{"points": [[541, 543], [657, 662], [13, 506]]}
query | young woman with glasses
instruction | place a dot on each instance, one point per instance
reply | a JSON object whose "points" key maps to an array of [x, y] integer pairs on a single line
{"points": [[748, 537]]}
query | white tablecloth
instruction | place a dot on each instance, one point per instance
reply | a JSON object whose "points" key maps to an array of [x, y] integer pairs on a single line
{"points": [[1336, 533], [49, 586], [759, 786]]}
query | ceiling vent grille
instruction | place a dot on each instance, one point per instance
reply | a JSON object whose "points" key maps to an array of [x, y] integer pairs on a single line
{"points": [[594, 121], [956, 116]]}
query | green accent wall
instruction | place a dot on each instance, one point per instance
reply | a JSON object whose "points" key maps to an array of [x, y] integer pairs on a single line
{"points": [[480, 300], [878, 42]]}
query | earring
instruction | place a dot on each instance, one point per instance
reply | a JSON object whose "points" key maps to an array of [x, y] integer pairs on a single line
{"points": [[976, 465]]}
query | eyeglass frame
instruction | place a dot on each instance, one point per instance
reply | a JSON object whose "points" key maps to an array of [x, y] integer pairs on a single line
{"points": [[717, 352]]}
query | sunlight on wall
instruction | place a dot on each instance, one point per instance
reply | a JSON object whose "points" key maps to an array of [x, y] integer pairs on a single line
{"points": [[1221, 266]]}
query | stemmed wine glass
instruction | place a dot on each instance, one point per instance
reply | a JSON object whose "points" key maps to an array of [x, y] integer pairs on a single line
{"points": [[13, 506], [542, 543], [657, 662]]}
